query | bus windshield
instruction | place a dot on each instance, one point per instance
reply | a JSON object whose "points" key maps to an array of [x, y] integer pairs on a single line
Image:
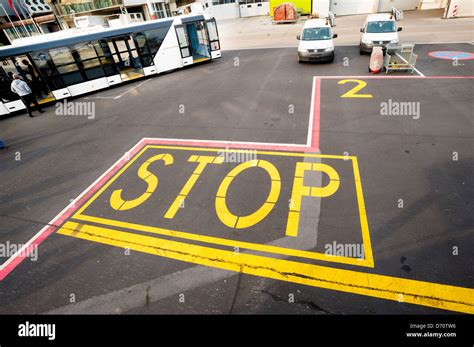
{"points": [[312, 34], [384, 26]]}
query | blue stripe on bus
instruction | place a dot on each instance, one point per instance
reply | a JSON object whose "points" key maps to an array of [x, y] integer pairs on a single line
{"points": [[16, 50]]}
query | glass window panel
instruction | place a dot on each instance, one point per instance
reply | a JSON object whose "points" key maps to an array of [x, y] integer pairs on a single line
{"points": [[72, 78], [85, 51], [94, 73], [61, 56], [211, 27], [155, 39], [215, 45], [147, 60], [182, 37], [100, 48], [7, 69], [121, 46], [142, 43], [116, 58], [91, 63], [110, 70], [67, 68], [125, 57], [107, 60], [185, 52], [43, 63]]}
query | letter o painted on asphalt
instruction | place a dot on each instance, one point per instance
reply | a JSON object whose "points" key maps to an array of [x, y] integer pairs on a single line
{"points": [[240, 222]]}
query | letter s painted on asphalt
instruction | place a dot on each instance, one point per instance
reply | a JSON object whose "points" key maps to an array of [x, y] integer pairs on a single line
{"points": [[119, 204]]}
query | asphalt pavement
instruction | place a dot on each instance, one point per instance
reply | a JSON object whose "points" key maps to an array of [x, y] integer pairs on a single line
{"points": [[403, 191]]}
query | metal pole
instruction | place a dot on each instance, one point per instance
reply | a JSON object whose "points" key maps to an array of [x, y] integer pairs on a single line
{"points": [[10, 20], [57, 15], [38, 29], [21, 21]]}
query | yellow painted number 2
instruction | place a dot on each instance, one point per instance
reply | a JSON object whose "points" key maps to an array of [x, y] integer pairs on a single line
{"points": [[353, 92]]}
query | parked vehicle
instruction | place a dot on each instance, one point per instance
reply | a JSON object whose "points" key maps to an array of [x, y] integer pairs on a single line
{"points": [[316, 41], [378, 30]]}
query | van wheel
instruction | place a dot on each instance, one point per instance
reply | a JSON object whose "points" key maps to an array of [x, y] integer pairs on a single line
{"points": [[332, 58], [299, 59], [361, 52]]}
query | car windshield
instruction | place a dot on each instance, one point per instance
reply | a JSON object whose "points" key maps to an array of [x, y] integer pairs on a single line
{"points": [[383, 26], [311, 34]]}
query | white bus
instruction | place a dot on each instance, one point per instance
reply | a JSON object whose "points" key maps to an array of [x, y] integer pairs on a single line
{"points": [[74, 62]]}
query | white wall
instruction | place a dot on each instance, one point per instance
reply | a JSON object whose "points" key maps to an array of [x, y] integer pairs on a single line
{"points": [[225, 11], [465, 8], [386, 5], [255, 9], [347, 7], [321, 7], [433, 4]]}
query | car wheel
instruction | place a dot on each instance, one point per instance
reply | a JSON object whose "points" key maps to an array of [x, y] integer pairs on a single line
{"points": [[299, 59], [361, 52], [332, 58]]}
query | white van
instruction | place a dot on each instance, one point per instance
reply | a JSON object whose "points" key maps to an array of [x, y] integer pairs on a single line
{"points": [[379, 30], [316, 41]]}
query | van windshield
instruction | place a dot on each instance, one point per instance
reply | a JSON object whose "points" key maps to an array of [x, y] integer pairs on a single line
{"points": [[383, 26], [311, 34]]}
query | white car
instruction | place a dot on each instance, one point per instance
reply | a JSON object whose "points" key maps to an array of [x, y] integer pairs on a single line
{"points": [[379, 30], [316, 41]]}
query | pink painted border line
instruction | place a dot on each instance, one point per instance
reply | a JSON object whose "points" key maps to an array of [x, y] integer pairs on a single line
{"points": [[383, 76], [56, 222], [313, 127], [15, 260]]}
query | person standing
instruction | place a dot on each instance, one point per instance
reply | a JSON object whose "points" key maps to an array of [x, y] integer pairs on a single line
{"points": [[24, 92]]}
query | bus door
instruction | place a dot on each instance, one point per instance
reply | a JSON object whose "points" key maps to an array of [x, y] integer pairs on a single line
{"points": [[10, 101], [35, 79], [184, 44], [21, 65], [199, 41], [213, 35], [126, 57], [8, 98]]}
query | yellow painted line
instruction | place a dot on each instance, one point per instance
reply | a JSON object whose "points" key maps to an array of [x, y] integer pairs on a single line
{"points": [[225, 242], [429, 294], [278, 154], [200, 59], [364, 224]]}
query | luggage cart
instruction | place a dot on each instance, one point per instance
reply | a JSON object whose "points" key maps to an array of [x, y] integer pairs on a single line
{"points": [[400, 57]]}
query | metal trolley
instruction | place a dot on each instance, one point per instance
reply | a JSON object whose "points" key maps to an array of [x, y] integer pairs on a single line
{"points": [[400, 57]]}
